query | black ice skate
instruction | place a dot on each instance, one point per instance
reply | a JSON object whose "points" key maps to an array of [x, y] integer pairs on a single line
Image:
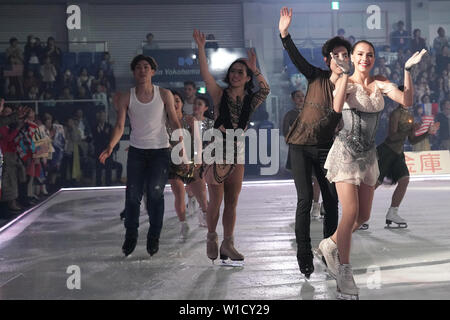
{"points": [[152, 245], [393, 217], [306, 265], [129, 245]]}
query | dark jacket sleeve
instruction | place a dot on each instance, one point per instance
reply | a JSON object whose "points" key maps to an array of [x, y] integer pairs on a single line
{"points": [[308, 70]]}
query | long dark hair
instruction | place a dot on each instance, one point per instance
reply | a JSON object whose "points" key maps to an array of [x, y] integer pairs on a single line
{"points": [[248, 85], [176, 93], [208, 112]]}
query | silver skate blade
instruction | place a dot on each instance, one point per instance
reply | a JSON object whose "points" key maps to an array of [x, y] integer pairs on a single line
{"points": [[343, 296], [398, 226], [231, 263]]}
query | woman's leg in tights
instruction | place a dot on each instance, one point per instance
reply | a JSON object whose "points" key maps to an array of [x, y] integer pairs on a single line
{"points": [[215, 200], [232, 187], [198, 188], [179, 193]]}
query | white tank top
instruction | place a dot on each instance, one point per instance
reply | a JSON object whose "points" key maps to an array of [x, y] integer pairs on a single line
{"points": [[148, 122]]}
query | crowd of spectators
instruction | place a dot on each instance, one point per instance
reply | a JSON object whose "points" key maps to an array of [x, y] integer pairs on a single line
{"points": [[58, 147]]}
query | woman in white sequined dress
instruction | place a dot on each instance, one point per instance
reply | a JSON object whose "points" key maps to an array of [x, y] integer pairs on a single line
{"points": [[352, 161]]}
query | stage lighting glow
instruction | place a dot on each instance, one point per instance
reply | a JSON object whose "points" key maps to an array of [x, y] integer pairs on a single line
{"points": [[222, 59], [201, 90], [335, 5]]}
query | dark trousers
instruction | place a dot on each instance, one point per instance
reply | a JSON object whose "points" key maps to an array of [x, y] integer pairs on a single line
{"points": [[303, 159], [146, 168]]}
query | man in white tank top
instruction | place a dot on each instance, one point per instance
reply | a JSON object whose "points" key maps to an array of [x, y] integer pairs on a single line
{"points": [[148, 157]]}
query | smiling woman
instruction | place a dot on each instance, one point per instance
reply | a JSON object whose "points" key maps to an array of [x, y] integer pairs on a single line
{"points": [[232, 109]]}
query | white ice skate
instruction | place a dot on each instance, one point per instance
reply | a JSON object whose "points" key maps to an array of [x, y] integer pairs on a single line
{"points": [[184, 231], [315, 211], [393, 217], [346, 286], [328, 254], [364, 226]]}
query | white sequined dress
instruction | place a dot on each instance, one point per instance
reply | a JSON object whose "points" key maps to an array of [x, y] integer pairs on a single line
{"points": [[353, 156]]}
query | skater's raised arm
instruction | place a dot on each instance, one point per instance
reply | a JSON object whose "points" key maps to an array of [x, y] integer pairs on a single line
{"points": [[308, 70], [260, 96], [211, 85], [341, 83]]}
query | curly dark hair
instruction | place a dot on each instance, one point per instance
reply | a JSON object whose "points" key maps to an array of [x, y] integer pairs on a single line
{"points": [[333, 43]]}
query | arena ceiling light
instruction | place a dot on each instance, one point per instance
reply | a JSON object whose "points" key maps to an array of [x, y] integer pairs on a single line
{"points": [[221, 59]]}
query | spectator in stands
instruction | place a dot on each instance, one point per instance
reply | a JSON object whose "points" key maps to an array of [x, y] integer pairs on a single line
{"points": [[423, 123], [14, 52], [30, 80], [10, 174], [84, 79], [417, 43], [443, 59], [107, 66], [66, 94], [40, 49], [83, 124], [70, 164], [68, 80], [444, 131], [100, 95], [211, 42], [12, 93], [150, 44], [440, 41], [49, 99], [83, 93], [190, 90], [382, 69], [56, 133], [33, 93], [101, 136], [395, 78], [439, 89], [101, 80], [352, 40], [31, 55], [53, 52], [341, 33], [48, 73], [400, 37]]}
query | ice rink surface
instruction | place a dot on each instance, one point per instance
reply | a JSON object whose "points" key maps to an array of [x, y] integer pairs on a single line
{"points": [[82, 229]]}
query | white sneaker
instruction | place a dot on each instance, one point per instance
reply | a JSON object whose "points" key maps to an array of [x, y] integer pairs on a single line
{"points": [[315, 210], [346, 286], [392, 216], [184, 230], [202, 219], [329, 251]]}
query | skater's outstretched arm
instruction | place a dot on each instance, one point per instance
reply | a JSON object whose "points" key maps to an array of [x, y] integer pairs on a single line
{"points": [[264, 90], [405, 98], [308, 70]]}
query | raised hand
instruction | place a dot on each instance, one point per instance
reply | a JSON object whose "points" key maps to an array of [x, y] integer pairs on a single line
{"points": [[22, 112], [251, 61], [415, 59], [199, 38], [434, 128], [285, 21], [341, 62]]}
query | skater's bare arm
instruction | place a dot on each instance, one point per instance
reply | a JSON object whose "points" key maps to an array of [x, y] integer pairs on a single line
{"points": [[122, 101]]}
